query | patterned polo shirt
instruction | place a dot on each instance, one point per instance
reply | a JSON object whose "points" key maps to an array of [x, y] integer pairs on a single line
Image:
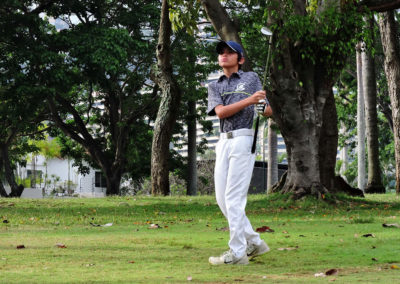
{"points": [[226, 91]]}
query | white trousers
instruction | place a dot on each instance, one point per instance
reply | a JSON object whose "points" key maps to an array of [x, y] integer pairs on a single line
{"points": [[233, 170]]}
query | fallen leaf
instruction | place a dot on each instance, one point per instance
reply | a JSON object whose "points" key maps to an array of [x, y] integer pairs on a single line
{"points": [[321, 274], [332, 271], [132, 261], [395, 225], [394, 266], [264, 229], [98, 225], [369, 235], [224, 229], [289, 248], [60, 245], [20, 247], [285, 232], [154, 226]]}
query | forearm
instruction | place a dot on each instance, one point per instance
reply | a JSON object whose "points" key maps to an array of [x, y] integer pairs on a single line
{"points": [[229, 110]]}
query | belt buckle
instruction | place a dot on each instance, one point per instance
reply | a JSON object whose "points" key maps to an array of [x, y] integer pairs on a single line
{"points": [[229, 135]]}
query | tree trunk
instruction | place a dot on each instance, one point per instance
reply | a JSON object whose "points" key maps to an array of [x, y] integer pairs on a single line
{"points": [[391, 49], [272, 174], [16, 190], [3, 192], [192, 149], [166, 116], [360, 123], [374, 184], [113, 181], [328, 143]]}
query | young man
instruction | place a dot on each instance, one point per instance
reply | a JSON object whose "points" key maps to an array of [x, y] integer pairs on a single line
{"points": [[232, 98]]}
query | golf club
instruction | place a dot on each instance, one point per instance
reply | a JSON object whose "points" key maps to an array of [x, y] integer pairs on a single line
{"points": [[267, 32]]}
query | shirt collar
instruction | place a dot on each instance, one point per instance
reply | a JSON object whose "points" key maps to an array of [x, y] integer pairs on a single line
{"points": [[238, 74]]}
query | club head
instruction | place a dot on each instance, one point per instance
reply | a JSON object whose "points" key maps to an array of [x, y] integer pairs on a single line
{"points": [[266, 31]]}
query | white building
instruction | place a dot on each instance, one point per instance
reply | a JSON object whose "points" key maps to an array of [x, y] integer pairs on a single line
{"points": [[57, 177]]}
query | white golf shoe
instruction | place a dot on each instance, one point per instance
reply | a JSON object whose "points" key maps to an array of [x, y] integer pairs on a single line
{"points": [[228, 258], [254, 250]]}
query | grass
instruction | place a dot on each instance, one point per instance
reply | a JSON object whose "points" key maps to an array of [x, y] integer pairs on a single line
{"points": [[191, 229]]}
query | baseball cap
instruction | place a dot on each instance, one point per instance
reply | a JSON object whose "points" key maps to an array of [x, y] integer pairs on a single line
{"points": [[232, 45]]}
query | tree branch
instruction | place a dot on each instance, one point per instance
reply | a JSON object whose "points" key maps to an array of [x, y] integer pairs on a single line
{"points": [[380, 5]]}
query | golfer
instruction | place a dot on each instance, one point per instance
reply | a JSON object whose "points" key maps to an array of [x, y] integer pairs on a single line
{"points": [[232, 98]]}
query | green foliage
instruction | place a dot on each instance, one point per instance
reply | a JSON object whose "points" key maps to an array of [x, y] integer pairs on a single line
{"points": [[183, 14], [326, 38]]}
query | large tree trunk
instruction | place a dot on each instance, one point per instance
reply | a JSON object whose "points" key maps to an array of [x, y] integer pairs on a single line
{"points": [[113, 181], [16, 190], [3, 192], [166, 116], [328, 143], [391, 48], [374, 184], [360, 123], [192, 149]]}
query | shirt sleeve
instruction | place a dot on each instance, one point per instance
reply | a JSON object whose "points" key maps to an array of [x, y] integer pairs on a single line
{"points": [[214, 99]]}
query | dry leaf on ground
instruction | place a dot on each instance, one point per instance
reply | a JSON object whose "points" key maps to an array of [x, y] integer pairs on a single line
{"points": [[395, 225], [224, 229], [321, 274], [264, 229], [289, 248], [60, 245], [332, 271], [154, 226]]}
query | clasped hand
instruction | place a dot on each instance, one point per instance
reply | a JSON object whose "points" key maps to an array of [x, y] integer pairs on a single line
{"points": [[260, 101]]}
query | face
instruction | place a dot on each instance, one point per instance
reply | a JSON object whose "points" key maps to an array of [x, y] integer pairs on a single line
{"points": [[228, 58]]}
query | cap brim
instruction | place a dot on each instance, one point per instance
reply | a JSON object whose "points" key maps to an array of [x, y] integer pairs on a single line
{"points": [[221, 45]]}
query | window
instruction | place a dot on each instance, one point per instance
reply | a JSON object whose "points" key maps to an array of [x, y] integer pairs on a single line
{"points": [[99, 180], [32, 173]]}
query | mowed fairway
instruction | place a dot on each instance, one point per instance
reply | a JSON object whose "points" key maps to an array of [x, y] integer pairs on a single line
{"points": [[62, 246]]}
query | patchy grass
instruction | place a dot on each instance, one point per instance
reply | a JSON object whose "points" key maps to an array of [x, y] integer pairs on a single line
{"points": [[323, 236]]}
